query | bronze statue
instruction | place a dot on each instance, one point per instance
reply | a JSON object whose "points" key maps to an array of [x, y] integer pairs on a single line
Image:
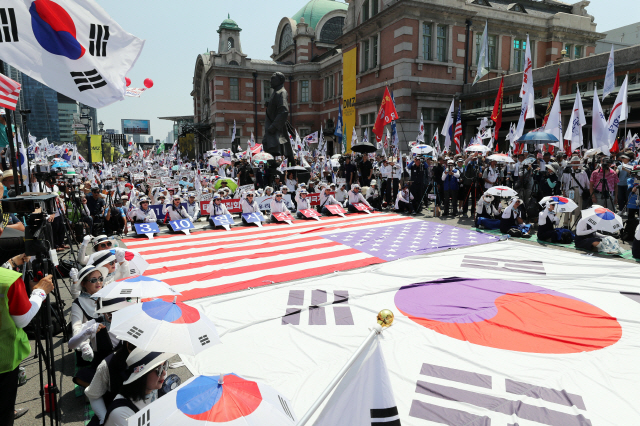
{"points": [[276, 139]]}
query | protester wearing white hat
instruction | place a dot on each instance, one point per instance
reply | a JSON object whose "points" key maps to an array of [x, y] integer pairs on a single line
{"points": [[487, 214], [175, 210], [511, 219], [193, 207], [303, 203], [326, 199], [575, 183], [373, 194], [354, 196], [278, 205], [116, 265], [144, 214], [547, 222], [404, 200], [147, 371], [341, 193], [99, 243]]}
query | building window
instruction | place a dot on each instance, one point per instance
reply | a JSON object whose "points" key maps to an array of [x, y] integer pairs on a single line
{"points": [[477, 104], [304, 91], [442, 43], [365, 10], [365, 55], [584, 88], [328, 87], [340, 84], [537, 94], [492, 42], [230, 43], [374, 7], [266, 90], [519, 48], [426, 41], [432, 118], [374, 51], [234, 89], [366, 123], [569, 49], [286, 38], [577, 52], [332, 29]]}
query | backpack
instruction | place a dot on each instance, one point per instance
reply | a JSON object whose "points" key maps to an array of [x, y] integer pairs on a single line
{"points": [[515, 233], [565, 236], [533, 208]]}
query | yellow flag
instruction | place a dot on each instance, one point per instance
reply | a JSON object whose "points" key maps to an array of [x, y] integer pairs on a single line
{"points": [[96, 148]]}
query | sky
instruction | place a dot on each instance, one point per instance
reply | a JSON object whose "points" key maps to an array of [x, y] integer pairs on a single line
{"points": [[176, 32]]}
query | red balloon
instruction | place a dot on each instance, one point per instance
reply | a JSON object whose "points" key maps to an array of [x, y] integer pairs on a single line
{"points": [[148, 83], [128, 81]]}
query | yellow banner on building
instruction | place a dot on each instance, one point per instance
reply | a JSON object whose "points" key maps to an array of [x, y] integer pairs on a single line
{"points": [[96, 148], [349, 61]]}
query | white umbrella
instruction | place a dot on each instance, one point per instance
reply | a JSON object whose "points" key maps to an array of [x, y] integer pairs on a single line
{"points": [[501, 191], [161, 326], [602, 219], [300, 168], [212, 400], [137, 286], [262, 156], [477, 148], [213, 161], [501, 158], [422, 149], [336, 156], [565, 205]]}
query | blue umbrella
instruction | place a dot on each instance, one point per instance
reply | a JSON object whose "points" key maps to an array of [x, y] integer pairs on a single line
{"points": [[61, 164], [538, 137]]}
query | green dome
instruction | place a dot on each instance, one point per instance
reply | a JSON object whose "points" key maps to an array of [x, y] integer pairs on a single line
{"points": [[313, 11], [229, 24]]}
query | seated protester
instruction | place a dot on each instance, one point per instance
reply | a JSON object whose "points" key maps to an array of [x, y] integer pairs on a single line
{"points": [[487, 215], [116, 265], [354, 197], [404, 200], [217, 208], [278, 206], [160, 195], [193, 207], [341, 193], [144, 214], [268, 191], [147, 371], [547, 222], [115, 218], [511, 218], [99, 243], [587, 238], [96, 346], [248, 206], [303, 203], [373, 194], [175, 210], [326, 199], [285, 190], [635, 247]]}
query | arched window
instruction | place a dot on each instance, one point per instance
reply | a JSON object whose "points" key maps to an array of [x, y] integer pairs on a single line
{"points": [[286, 37], [230, 43], [234, 63], [331, 30]]}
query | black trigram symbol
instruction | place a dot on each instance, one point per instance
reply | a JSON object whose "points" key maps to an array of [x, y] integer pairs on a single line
{"points": [[88, 80], [145, 419], [525, 266], [385, 417], [9, 29], [135, 332], [98, 37], [285, 407], [126, 291], [317, 312], [204, 340]]}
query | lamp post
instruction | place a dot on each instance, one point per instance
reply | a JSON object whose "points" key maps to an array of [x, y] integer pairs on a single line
{"points": [[86, 119]]}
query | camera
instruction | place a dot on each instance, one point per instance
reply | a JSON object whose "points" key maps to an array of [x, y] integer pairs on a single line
{"points": [[108, 187]]}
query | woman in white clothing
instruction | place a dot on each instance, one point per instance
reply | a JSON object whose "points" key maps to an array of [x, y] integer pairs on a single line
{"points": [[278, 205], [354, 196], [249, 206]]}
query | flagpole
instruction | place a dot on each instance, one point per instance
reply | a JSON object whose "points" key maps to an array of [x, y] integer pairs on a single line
{"points": [[385, 319]]}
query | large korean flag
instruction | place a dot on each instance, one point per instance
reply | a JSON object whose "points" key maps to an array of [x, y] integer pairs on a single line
{"points": [[498, 334], [73, 47]]}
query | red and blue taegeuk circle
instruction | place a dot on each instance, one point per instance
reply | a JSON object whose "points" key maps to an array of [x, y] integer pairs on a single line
{"points": [[128, 256], [206, 400], [605, 214], [175, 313], [55, 30], [560, 200]]}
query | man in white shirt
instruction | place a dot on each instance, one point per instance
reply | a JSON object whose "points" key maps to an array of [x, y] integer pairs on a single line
{"points": [[386, 171]]}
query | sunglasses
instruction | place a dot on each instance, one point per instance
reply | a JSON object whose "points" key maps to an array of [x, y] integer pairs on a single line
{"points": [[162, 368], [278, 196], [249, 196], [95, 280], [113, 262], [104, 245]]}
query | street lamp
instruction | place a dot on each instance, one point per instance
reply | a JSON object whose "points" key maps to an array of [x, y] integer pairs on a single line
{"points": [[86, 119], [101, 128]]}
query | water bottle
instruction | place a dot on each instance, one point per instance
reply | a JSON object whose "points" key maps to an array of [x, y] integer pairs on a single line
{"points": [[571, 193]]}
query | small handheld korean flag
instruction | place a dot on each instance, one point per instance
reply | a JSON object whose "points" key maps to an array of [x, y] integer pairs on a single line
{"points": [[74, 47], [364, 396]]}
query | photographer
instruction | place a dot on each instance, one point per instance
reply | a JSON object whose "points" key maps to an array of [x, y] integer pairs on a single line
{"points": [[574, 186], [116, 219], [16, 312], [603, 182], [451, 186], [96, 206], [57, 224], [417, 183]]}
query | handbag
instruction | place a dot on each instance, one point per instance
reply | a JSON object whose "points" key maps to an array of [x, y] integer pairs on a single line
{"points": [[586, 197]]}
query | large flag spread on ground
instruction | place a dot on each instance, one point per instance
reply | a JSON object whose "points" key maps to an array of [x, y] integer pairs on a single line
{"points": [[9, 92], [483, 56], [526, 91], [214, 263], [386, 114], [364, 397], [448, 126], [73, 47], [457, 135], [420, 137], [496, 114], [553, 120], [619, 111], [610, 77], [600, 132], [577, 120]]}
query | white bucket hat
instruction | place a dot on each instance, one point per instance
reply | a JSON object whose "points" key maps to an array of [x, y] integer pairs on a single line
{"points": [[140, 362]]}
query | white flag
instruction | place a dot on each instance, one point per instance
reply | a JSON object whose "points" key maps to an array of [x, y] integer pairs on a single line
{"points": [[627, 141], [527, 81], [619, 112], [599, 130], [554, 123], [233, 133], [523, 115], [74, 47], [364, 396], [577, 120], [420, 137], [483, 58], [447, 127], [610, 77], [22, 160], [354, 137]]}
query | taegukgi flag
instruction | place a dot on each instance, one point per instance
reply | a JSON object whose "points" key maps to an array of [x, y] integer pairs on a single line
{"points": [[75, 48]]}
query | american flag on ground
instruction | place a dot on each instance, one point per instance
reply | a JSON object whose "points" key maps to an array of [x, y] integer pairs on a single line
{"points": [[216, 262], [9, 92], [457, 135]]}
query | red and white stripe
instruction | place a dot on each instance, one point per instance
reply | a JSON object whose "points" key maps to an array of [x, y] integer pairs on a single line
{"points": [[457, 134], [9, 92], [216, 262]]}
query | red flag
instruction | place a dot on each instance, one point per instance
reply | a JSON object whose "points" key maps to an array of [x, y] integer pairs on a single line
{"points": [[386, 115], [615, 148], [554, 93], [496, 115]]}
